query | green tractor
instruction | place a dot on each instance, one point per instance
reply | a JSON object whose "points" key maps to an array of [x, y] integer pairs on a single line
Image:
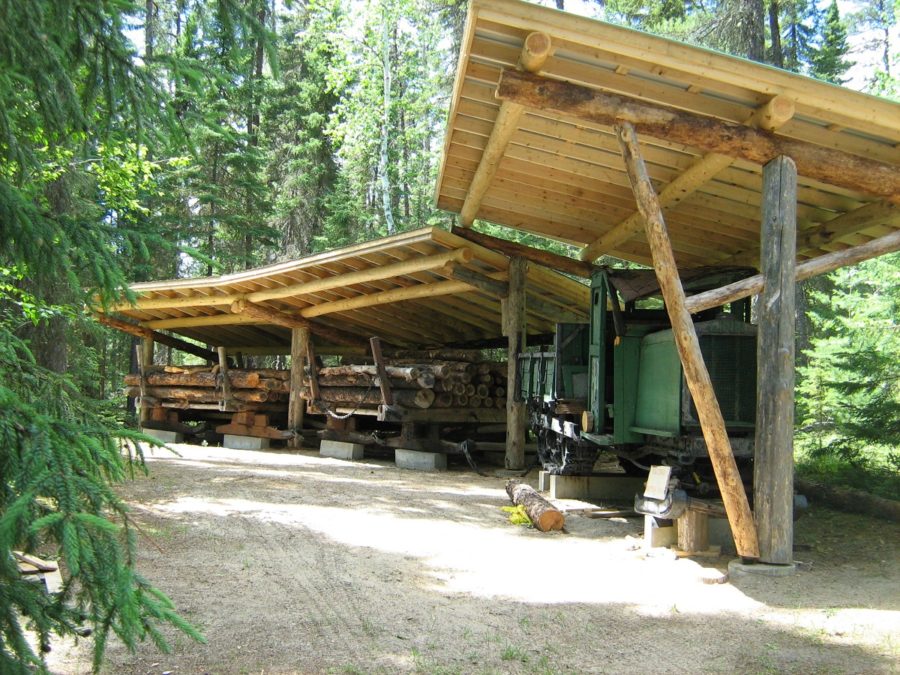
{"points": [[616, 384]]}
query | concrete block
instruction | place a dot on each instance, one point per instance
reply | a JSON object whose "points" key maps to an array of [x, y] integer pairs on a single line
{"points": [[720, 535], [341, 449], [420, 461], [236, 442], [543, 481], [659, 532], [602, 488], [164, 435]]}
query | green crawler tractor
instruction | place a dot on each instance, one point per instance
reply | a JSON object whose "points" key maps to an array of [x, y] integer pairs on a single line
{"points": [[616, 384]]}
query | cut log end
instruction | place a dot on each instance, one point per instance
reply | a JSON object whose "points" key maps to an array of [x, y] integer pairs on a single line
{"points": [[544, 516]]}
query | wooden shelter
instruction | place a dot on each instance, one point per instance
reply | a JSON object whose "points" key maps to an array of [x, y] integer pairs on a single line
{"points": [[418, 290], [662, 153]]}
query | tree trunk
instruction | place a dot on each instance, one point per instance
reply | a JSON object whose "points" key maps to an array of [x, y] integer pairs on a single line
{"points": [[383, 160], [544, 516]]}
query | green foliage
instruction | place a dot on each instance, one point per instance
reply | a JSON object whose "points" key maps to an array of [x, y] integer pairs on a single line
{"points": [[849, 389], [828, 60], [517, 515], [59, 457]]}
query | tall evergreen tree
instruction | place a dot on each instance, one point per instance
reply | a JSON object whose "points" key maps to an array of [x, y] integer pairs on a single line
{"points": [[77, 110], [828, 60]]}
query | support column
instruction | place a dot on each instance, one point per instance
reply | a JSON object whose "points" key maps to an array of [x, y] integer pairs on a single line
{"points": [[145, 361], [227, 400], [514, 329], [774, 463], [695, 373], [296, 404]]}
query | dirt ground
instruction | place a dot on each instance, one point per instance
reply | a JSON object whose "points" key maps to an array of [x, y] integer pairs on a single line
{"points": [[291, 563]]}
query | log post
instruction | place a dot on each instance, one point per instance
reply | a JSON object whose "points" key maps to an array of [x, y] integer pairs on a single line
{"points": [[693, 531], [296, 403], [695, 372], [145, 360], [514, 329], [384, 383], [774, 448], [543, 515], [227, 398]]}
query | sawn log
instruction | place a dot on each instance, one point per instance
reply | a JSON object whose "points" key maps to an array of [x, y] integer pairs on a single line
{"points": [[544, 516]]}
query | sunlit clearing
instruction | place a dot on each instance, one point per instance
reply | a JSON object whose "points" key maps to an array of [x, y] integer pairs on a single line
{"points": [[499, 561]]}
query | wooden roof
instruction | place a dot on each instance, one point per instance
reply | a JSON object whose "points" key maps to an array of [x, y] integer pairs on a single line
{"points": [[562, 177], [405, 289]]}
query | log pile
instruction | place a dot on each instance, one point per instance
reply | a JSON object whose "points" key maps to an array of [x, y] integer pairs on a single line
{"points": [[414, 384], [203, 386]]}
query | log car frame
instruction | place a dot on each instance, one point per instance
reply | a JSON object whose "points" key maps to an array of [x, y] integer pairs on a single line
{"points": [[617, 385]]}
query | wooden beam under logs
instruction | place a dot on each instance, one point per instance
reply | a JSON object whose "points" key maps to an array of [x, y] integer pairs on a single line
{"points": [[827, 165], [696, 375], [161, 338], [535, 52], [273, 316]]}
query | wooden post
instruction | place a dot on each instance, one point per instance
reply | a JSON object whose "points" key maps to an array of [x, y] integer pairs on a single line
{"points": [[296, 404], [774, 460], [313, 372], [226, 380], [384, 383], [514, 329], [145, 361], [695, 372], [693, 531]]}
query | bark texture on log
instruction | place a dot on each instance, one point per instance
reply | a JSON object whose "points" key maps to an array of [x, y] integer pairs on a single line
{"points": [[544, 516], [834, 167], [695, 372]]}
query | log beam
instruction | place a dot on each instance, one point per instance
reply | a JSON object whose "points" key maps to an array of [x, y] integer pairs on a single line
{"points": [[824, 164], [773, 467], [535, 51], [505, 125], [775, 113], [805, 270], [499, 289], [514, 329], [161, 338], [226, 380], [578, 268], [695, 373], [244, 307], [296, 403]]}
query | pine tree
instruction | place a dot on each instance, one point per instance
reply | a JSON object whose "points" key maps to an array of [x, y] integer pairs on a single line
{"points": [[828, 62], [77, 111]]}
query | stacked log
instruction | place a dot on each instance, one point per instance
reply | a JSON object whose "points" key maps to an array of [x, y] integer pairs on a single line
{"points": [[414, 384], [190, 386]]}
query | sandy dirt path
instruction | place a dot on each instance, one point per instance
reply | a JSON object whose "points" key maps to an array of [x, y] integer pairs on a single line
{"points": [[291, 563]]}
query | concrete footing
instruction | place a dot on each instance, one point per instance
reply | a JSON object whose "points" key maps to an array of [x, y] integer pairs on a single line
{"points": [[618, 488], [164, 435], [341, 450], [738, 568], [420, 461], [659, 533], [235, 442]]}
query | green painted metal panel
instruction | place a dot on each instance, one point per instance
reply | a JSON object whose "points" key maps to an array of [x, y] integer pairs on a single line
{"points": [[626, 356], [659, 384], [597, 355]]}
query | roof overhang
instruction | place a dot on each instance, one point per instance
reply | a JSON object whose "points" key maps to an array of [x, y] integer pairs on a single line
{"points": [[542, 170], [418, 289]]}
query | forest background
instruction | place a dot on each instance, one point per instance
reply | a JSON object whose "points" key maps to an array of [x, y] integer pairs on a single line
{"points": [[175, 138]]}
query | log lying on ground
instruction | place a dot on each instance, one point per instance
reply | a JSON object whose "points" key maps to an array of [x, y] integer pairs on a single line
{"points": [[848, 499], [544, 516]]}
